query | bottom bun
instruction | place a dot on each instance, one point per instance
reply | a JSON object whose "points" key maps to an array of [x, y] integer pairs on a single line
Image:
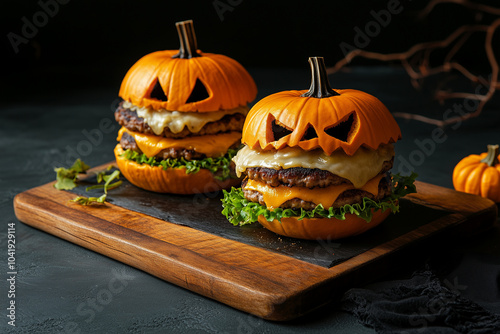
{"points": [[323, 228], [171, 180]]}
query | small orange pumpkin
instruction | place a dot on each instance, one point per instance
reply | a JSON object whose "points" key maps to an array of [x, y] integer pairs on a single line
{"points": [[479, 174], [322, 117], [187, 79]]}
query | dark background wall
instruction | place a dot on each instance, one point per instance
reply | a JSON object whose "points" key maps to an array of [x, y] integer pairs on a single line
{"points": [[72, 44]]}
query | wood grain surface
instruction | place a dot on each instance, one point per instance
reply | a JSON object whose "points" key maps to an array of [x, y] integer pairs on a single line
{"points": [[267, 284]]}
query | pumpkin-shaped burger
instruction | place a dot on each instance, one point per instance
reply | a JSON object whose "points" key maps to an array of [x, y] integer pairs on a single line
{"points": [[317, 163], [181, 116]]}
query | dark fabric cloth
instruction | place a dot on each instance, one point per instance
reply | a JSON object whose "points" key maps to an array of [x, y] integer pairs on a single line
{"points": [[421, 304]]}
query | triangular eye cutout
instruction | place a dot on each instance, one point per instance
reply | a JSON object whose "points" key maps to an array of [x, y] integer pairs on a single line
{"points": [[342, 130], [157, 92], [279, 131], [199, 92], [310, 133]]}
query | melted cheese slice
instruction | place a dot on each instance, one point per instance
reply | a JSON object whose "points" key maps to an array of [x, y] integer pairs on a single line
{"points": [[276, 196], [358, 168], [211, 145], [158, 120]]}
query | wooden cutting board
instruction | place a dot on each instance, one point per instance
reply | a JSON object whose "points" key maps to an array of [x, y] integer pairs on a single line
{"points": [[254, 279]]}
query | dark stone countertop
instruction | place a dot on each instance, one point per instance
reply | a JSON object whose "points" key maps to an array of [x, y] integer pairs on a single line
{"points": [[57, 281]]}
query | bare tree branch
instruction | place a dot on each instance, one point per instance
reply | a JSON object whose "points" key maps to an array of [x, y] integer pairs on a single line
{"points": [[420, 54]]}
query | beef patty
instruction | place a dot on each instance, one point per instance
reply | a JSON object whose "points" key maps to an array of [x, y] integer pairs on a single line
{"points": [[128, 143], [351, 196], [301, 177], [129, 119]]}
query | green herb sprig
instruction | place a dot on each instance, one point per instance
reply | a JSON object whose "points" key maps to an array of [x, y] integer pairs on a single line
{"points": [[82, 200], [67, 179], [107, 181]]}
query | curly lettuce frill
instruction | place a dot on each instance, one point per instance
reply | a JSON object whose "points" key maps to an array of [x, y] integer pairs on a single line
{"points": [[240, 211]]}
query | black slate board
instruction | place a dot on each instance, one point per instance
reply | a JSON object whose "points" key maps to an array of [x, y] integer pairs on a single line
{"points": [[203, 212]]}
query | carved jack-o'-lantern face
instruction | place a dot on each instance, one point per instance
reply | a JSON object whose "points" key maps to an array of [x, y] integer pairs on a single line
{"points": [[320, 118], [187, 79]]}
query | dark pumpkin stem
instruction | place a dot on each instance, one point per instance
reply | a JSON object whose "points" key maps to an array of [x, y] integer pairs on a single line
{"points": [[492, 158], [320, 87], [187, 38]]}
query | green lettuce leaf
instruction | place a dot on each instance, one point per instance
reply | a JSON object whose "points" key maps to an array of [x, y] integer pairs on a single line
{"points": [[66, 177], [240, 211], [215, 165]]}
